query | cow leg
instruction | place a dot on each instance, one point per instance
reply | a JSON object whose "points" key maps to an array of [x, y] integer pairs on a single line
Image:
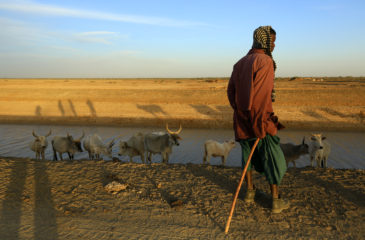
{"points": [[318, 162], [142, 157], [312, 161], [208, 159], [54, 155], [43, 157], [167, 157], [325, 162], [163, 155], [224, 159], [294, 164], [61, 156], [149, 157]]}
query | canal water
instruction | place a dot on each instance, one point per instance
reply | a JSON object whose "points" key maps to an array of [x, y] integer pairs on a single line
{"points": [[347, 148]]}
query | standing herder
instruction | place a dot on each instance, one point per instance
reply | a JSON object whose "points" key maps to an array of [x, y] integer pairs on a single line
{"points": [[251, 93]]}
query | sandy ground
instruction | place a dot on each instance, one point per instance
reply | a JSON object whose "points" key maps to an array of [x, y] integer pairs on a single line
{"points": [[68, 200], [302, 103]]}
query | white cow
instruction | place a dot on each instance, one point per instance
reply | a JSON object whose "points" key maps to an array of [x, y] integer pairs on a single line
{"points": [[39, 144], [216, 149], [95, 146], [133, 147], [319, 149], [292, 152]]}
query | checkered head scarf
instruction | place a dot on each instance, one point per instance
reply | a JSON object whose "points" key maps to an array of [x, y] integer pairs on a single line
{"points": [[262, 40]]}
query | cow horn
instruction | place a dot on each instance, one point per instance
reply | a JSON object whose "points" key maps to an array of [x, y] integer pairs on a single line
{"points": [[49, 133], [35, 135], [180, 129], [171, 132]]}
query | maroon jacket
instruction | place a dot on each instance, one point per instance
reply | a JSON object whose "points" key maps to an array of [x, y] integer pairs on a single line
{"points": [[249, 93]]}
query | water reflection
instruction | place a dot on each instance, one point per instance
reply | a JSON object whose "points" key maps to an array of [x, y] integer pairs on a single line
{"points": [[347, 148]]}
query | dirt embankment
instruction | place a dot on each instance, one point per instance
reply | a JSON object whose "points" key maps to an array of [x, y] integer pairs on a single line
{"points": [[302, 103], [68, 200]]}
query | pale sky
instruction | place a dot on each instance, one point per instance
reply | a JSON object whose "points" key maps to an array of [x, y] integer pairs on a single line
{"points": [[177, 38]]}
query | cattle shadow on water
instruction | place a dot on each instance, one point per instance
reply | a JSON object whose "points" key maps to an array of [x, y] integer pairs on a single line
{"points": [[221, 110], [72, 107], [91, 107], [224, 109], [204, 109], [61, 108], [153, 109], [38, 111], [360, 116], [314, 115]]}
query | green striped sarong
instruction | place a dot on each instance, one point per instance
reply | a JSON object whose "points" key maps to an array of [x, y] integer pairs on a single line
{"points": [[268, 158]]}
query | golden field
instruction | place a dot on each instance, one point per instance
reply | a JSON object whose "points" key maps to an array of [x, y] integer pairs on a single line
{"points": [[309, 103]]}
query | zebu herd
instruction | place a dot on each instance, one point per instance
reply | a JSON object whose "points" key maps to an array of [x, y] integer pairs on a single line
{"points": [[137, 145], [144, 145]]}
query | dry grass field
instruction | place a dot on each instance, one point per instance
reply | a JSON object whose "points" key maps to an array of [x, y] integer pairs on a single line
{"points": [[202, 102]]}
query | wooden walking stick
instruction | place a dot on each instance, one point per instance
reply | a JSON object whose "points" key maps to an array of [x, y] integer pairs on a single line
{"points": [[239, 185]]}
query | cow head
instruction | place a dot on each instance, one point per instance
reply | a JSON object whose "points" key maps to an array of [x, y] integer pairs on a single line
{"points": [[317, 140], [76, 142], [122, 148], [174, 136], [232, 143], [41, 140], [109, 148]]}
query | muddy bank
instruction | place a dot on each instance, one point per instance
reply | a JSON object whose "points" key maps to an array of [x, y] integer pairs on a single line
{"points": [[187, 123], [68, 200]]}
